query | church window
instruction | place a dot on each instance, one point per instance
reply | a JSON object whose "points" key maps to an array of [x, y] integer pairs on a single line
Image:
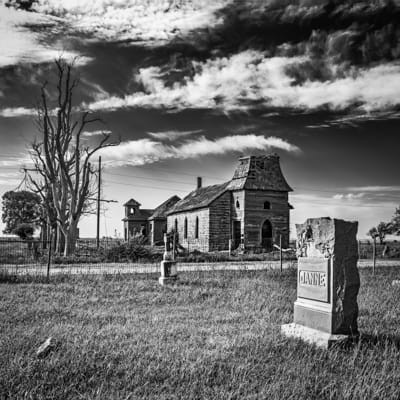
{"points": [[196, 228], [237, 203], [185, 229]]}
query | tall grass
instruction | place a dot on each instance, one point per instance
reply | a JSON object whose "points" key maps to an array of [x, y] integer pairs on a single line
{"points": [[212, 336]]}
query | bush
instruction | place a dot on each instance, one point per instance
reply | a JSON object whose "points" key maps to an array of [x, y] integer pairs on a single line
{"points": [[134, 251], [24, 231]]}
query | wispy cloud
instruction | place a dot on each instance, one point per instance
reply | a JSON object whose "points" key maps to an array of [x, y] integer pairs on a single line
{"points": [[15, 161], [348, 196], [172, 135], [20, 44], [376, 188], [146, 151], [251, 79], [145, 21], [95, 133], [17, 112]]}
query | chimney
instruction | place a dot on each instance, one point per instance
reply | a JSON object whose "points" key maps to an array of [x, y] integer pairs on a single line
{"points": [[199, 182]]}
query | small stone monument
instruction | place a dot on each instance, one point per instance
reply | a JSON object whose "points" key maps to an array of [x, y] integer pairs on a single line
{"points": [[326, 308], [169, 272]]}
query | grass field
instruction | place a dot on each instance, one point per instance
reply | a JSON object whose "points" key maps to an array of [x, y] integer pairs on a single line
{"points": [[212, 336]]}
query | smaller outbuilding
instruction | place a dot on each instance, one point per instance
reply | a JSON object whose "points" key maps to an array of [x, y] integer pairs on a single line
{"points": [[151, 223]]}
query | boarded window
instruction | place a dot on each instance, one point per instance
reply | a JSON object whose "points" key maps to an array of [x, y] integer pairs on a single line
{"points": [[185, 229], [196, 228], [267, 205]]}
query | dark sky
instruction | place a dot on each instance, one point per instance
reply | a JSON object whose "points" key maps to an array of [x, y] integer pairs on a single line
{"points": [[189, 86]]}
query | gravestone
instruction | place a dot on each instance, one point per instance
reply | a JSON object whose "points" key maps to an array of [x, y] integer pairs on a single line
{"points": [[326, 308], [169, 273]]}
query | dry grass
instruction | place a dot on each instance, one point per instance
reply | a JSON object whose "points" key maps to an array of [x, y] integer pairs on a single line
{"points": [[212, 336]]}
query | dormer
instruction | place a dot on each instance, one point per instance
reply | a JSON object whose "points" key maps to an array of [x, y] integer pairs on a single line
{"points": [[131, 208]]}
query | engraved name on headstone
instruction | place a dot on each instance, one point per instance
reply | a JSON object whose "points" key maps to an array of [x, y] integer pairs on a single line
{"points": [[312, 281]]}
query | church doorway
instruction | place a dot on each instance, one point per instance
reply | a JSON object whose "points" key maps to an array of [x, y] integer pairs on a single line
{"points": [[236, 234], [266, 235]]}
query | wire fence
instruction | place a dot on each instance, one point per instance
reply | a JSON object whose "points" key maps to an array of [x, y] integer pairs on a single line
{"points": [[114, 256]]}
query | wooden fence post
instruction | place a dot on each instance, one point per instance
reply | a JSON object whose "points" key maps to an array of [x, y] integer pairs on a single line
{"points": [[280, 252], [49, 256], [374, 256]]}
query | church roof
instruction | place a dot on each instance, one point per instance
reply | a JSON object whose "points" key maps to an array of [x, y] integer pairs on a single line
{"points": [[132, 202], [259, 173], [162, 209], [199, 198]]}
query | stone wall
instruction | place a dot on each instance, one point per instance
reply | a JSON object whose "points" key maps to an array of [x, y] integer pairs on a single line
{"points": [[201, 243]]}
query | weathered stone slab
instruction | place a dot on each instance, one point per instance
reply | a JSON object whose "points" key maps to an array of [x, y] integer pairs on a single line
{"points": [[169, 272], [168, 269], [328, 279]]}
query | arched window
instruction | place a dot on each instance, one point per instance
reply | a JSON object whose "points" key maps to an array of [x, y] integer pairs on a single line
{"points": [[196, 228], [267, 205], [176, 225], [237, 203], [185, 229]]}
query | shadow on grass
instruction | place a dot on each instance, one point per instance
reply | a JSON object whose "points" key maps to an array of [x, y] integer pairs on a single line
{"points": [[381, 341], [369, 341]]}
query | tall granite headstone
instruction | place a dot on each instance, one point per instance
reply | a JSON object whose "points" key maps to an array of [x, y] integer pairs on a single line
{"points": [[326, 308]]}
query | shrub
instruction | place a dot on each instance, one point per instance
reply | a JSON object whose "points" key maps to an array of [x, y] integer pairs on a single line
{"points": [[24, 231]]}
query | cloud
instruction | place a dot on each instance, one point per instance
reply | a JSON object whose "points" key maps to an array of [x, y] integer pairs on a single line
{"points": [[251, 79], [376, 188], [172, 135], [348, 196], [96, 133], [150, 22], [15, 161], [20, 44], [17, 112], [146, 151]]}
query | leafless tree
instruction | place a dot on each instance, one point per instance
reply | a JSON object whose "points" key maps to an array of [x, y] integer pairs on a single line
{"points": [[63, 174]]}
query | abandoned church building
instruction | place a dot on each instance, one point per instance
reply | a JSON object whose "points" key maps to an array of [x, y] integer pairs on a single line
{"points": [[251, 210]]}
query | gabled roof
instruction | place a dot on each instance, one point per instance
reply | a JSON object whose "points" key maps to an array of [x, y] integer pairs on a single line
{"points": [[199, 198], [162, 209], [132, 202]]}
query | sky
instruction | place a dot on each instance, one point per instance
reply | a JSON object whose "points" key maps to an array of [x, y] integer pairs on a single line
{"points": [[189, 86]]}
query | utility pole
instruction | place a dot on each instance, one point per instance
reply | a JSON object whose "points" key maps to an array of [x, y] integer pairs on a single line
{"points": [[98, 205], [99, 201]]}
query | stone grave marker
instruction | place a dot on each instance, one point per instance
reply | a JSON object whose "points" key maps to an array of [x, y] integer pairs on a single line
{"points": [[169, 273], [326, 308]]}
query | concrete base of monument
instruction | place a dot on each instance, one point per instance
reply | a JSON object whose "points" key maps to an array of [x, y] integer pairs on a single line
{"points": [[313, 336], [167, 280]]}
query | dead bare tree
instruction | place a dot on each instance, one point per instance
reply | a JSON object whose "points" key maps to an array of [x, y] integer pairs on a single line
{"points": [[62, 173]]}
